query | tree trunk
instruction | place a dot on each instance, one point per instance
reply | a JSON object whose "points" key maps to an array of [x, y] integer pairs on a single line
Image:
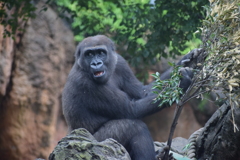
{"points": [[218, 140]]}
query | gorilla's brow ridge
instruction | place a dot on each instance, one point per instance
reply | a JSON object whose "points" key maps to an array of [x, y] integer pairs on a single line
{"points": [[95, 48]]}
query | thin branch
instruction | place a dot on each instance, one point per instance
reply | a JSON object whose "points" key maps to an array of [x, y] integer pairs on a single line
{"points": [[178, 111], [233, 121], [194, 96]]}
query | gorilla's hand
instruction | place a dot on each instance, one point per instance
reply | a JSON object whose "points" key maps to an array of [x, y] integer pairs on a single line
{"points": [[192, 58], [186, 80]]}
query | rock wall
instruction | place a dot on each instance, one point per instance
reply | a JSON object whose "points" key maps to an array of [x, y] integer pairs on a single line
{"points": [[32, 74], [6, 58]]}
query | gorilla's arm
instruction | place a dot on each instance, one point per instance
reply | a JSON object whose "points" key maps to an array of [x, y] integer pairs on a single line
{"points": [[133, 100], [127, 81], [186, 79], [122, 106], [135, 89], [187, 61]]}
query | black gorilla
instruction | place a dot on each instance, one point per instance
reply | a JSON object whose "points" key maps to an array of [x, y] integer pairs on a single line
{"points": [[103, 95]]}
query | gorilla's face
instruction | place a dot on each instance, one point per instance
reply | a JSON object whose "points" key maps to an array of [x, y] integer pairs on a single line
{"points": [[97, 57], [95, 60]]}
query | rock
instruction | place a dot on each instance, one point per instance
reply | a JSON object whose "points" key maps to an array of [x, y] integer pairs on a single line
{"points": [[33, 72], [6, 58], [80, 144]]}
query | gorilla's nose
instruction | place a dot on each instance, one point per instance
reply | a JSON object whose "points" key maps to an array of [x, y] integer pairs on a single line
{"points": [[96, 65]]}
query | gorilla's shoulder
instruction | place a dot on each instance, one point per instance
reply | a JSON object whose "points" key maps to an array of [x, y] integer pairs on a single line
{"points": [[121, 62]]}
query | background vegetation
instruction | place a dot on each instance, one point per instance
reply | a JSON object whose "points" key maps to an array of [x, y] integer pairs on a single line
{"points": [[143, 30]]}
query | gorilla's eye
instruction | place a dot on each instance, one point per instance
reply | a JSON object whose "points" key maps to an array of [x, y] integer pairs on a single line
{"points": [[90, 54], [101, 53]]}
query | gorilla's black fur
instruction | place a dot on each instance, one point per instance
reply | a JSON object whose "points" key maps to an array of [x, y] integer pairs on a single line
{"points": [[103, 95]]}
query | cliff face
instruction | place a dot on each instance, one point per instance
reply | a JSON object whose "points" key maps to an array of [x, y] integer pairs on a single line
{"points": [[33, 70]]}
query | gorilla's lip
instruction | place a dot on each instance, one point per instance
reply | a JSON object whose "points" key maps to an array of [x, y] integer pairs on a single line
{"points": [[99, 73]]}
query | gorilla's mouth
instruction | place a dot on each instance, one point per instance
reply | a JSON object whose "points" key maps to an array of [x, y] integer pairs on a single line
{"points": [[98, 73]]}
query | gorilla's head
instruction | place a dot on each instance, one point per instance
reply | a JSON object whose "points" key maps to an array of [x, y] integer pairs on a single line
{"points": [[96, 56]]}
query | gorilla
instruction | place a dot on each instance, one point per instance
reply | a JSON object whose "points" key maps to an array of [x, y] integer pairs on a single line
{"points": [[103, 96]]}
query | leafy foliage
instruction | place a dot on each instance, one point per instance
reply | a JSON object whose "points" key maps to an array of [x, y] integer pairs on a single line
{"points": [[145, 31], [221, 40], [219, 69], [13, 11], [170, 91]]}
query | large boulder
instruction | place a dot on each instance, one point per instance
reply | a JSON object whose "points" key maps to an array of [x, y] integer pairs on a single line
{"points": [[80, 144]]}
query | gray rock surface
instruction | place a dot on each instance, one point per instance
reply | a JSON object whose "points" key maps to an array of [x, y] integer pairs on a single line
{"points": [[80, 144]]}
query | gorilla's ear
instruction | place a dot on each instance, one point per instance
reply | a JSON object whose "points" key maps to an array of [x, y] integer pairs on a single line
{"points": [[77, 52], [113, 47]]}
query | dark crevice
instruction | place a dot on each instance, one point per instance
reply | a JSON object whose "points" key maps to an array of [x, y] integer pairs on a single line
{"points": [[10, 83], [16, 46]]}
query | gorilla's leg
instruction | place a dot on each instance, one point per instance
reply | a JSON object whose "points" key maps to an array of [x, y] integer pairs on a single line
{"points": [[132, 134]]}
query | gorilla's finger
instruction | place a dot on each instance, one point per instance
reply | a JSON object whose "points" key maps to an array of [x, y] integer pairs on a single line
{"points": [[186, 78], [186, 72], [192, 57], [184, 62], [196, 52], [189, 71]]}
